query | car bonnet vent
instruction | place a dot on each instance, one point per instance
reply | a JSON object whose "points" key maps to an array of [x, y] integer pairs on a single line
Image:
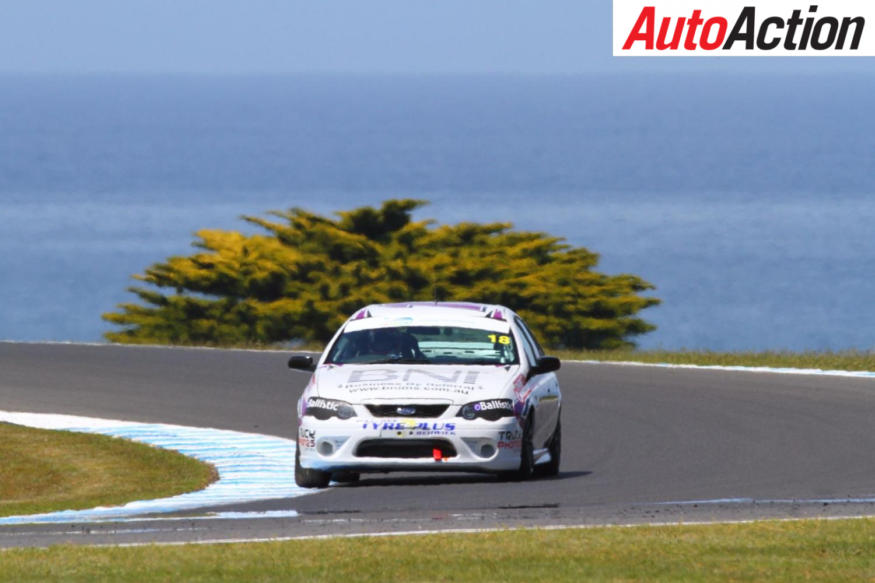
{"points": [[407, 410]]}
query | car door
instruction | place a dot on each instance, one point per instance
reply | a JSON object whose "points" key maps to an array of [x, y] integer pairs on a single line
{"points": [[543, 389]]}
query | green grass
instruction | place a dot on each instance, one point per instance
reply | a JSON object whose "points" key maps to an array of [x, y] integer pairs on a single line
{"points": [[43, 470], [844, 360], [841, 550]]}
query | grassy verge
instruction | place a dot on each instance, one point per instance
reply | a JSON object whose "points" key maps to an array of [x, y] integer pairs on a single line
{"points": [[844, 360], [767, 551], [42, 471]]}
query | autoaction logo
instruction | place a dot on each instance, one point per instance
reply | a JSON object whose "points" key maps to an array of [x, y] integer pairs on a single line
{"points": [[743, 28]]}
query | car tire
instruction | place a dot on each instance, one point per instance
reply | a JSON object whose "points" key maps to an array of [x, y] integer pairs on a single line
{"points": [[309, 478], [527, 453], [527, 449], [551, 468]]}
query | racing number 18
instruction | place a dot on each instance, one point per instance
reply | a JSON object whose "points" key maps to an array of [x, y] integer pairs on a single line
{"points": [[500, 339]]}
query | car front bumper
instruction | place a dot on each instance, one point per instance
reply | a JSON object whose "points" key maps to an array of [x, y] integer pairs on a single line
{"points": [[405, 444]]}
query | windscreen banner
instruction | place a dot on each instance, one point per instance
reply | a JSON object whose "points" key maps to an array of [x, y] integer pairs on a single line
{"points": [[767, 28]]}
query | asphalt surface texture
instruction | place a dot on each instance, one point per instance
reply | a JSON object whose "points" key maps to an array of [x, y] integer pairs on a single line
{"points": [[640, 445]]}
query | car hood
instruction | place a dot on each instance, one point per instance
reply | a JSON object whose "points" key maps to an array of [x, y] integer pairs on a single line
{"points": [[376, 383]]}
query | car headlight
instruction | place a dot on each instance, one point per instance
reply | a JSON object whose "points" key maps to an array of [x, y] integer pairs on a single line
{"points": [[491, 409], [327, 408]]}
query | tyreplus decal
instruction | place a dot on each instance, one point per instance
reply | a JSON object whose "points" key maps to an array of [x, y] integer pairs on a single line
{"points": [[743, 28], [409, 425]]}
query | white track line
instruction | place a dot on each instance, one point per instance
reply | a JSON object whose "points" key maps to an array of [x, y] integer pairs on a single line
{"points": [[754, 369], [250, 466], [548, 527], [474, 531]]}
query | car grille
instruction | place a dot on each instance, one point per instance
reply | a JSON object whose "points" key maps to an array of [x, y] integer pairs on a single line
{"points": [[405, 448], [418, 410]]}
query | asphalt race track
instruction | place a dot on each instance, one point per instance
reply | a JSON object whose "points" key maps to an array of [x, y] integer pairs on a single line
{"points": [[640, 444]]}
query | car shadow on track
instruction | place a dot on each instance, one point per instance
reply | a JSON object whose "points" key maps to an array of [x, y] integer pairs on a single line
{"points": [[371, 480]]}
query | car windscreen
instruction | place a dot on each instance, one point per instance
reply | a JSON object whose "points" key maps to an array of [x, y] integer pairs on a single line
{"points": [[424, 344]]}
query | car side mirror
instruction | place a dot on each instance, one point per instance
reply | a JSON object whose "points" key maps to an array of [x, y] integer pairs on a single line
{"points": [[302, 362], [545, 364]]}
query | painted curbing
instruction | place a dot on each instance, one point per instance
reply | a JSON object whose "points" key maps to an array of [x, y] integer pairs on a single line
{"points": [[251, 466]]}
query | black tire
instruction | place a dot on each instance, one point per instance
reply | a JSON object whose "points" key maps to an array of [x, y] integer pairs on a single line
{"points": [[551, 468], [527, 453], [308, 478], [527, 449]]}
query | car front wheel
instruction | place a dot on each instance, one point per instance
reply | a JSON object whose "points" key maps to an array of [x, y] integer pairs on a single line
{"points": [[551, 468], [527, 452], [309, 478]]}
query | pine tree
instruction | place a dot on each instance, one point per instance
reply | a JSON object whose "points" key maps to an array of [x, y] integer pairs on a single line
{"points": [[300, 280]]}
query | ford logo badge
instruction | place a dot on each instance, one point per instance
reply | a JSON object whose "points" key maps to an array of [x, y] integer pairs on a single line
{"points": [[406, 410]]}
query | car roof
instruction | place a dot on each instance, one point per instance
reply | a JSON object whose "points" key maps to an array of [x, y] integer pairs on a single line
{"points": [[456, 310], [435, 311]]}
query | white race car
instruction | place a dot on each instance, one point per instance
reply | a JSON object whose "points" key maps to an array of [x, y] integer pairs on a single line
{"points": [[428, 386]]}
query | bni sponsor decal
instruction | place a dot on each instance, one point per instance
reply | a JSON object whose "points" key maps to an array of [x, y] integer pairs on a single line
{"points": [[738, 28]]}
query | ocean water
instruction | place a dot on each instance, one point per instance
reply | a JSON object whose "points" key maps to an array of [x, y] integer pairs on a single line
{"points": [[747, 200]]}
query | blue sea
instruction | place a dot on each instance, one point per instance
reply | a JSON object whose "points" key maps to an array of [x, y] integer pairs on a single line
{"points": [[748, 200]]}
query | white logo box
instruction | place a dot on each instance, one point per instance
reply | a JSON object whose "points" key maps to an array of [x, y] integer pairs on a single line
{"points": [[666, 28]]}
